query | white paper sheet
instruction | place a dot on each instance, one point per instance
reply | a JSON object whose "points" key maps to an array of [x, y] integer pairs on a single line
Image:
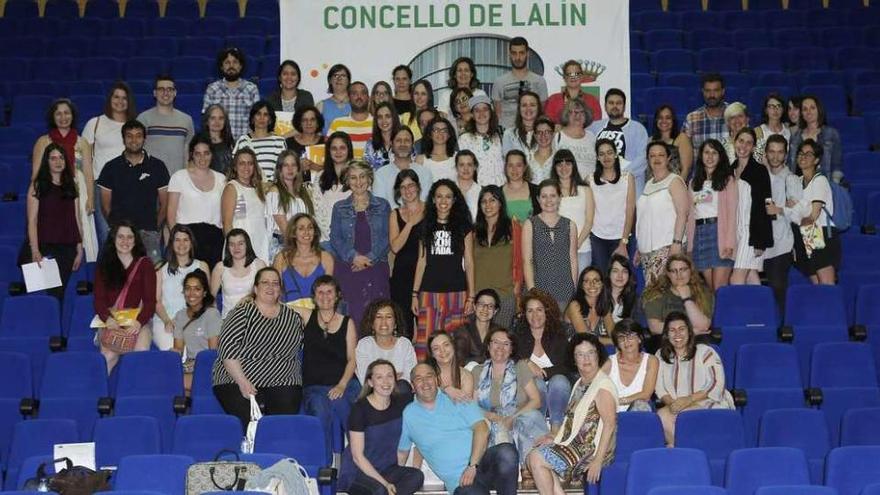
{"points": [[81, 454], [44, 275]]}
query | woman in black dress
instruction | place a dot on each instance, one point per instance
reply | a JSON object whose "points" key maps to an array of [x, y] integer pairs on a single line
{"points": [[404, 231]]}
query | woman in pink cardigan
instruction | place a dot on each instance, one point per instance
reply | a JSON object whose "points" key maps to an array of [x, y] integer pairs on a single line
{"points": [[712, 220]]}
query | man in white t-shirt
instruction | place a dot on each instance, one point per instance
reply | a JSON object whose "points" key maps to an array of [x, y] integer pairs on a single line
{"points": [[508, 86]]}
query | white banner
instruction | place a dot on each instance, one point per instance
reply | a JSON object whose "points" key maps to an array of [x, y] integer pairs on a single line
{"points": [[371, 37]]}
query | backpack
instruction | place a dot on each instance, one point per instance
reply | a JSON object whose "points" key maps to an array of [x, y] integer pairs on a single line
{"points": [[843, 206]]}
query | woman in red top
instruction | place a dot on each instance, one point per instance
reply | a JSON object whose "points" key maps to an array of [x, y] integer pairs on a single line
{"points": [[123, 266]]}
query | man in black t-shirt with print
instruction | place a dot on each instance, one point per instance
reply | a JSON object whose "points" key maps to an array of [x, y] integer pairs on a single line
{"points": [[134, 186]]}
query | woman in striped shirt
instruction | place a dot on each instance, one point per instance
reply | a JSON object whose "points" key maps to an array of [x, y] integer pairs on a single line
{"points": [[260, 344], [262, 139]]}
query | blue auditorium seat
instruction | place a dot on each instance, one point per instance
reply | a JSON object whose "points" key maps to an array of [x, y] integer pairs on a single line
{"points": [[851, 281], [685, 5], [186, 9], [262, 9], [130, 27], [733, 338], [83, 411], [868, 305], [251, 26], [699, 39], [69, 46], [718, 60], [804, 429], [157, 373], [192, 67], [30, 316], [102, 9], [856, 131], [650, 468], [81, 316], [849, 469], [18, 365], [640, 61], [795, 489], [158, 407], [9, 417], [89, 105], [745, 306], [29, 469], [159, 46], [162, 473], [762, 400], [837, 36], [750, 39], [690, 21], [170, 27], [121, 47], [30, 110], [725, 5], [203, 436], [21, 10], [36, 437], [806, 338], [223, 9], [775, 79], [858, 250], [818, 18], [872, 489], [804, 4], [836, 401], [687, 490], [833, 98], [635, 431], [297, 436], [814, 305], [74, 89], [202, 46], [253, 46], [203, 399], [15, 68], [209, 26], [842, 364], [13, 212], [860, 426], [767, 365], [791, 38], [749, 469], [866, 98], [119, 436], [714, 431], [645, 6], [676, 97], [659, 39], [74, 375]]}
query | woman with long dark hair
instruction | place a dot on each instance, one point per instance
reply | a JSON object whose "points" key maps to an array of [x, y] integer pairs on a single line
{"points": [[498, 254], [622, 286], [235, 274], [455, 381], [331, 184], [667, 130], [287, 196], [438, 149], [443, 288], [576, 202], [591, 309], [522, 135], [194, 198], [482, 136], [612, 225], [125, 294], [754, 225], [218, 132], [179, 261], [302, 261], [404, 233], [61, 122], [377, 151], [520, 195], [288, 97], [197, 324], [243, 204], [690, 375], [54, 224], [462, 74], [714, 209], [422, 99]]}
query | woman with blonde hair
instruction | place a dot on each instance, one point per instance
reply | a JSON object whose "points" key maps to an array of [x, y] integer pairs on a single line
{"points": [[302, 261], [680, 288], [243, 204], [288, 195]]}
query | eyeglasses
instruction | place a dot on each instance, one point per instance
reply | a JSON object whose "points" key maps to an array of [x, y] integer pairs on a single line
{"points": [[805, 154], [339, 75], [573, 75], [592, 282], [487, 306], [774, 106]]}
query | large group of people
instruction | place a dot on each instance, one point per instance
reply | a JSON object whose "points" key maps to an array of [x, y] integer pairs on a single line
{"points": [[443, 279]]}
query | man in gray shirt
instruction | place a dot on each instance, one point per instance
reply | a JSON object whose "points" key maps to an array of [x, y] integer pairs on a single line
{"points": [[168, 129], [508, 86]]}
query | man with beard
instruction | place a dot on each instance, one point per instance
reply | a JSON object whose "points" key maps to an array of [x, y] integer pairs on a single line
{"points": [[359, 123], [134, 187], [707, 122], [453, 438], [629, 136], [508, 86], [386, 176], [236, 95]]}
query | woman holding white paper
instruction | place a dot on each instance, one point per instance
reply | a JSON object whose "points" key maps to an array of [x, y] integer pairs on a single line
{"points": [[54, 226]]}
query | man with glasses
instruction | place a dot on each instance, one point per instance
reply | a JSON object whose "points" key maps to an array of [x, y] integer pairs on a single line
{"points": [[453, 438], [235, 94], [168, 129], [508, 86], [629, 136]]}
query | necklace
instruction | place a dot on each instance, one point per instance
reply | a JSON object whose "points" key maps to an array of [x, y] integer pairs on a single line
{"points": [[325, 324]]}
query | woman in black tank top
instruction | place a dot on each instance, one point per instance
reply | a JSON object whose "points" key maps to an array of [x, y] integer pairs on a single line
{"points": [[329, 385], [405, 227]]}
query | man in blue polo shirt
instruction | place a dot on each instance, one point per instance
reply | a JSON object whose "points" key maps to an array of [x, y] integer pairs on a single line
{"points": [[442, 430]]}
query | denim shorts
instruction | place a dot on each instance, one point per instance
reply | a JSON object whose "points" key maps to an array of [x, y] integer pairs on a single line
{"points": [[705, 252]]}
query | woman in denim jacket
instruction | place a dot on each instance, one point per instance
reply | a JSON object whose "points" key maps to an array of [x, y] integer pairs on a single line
{"points": [[359, 237]]}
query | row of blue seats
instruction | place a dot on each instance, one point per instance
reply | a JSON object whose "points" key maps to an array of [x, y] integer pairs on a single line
{"points": [[736, 5], [744, 39], [198, 438], [755, 19], [721, 59], [108, 9], [139, 27], [39, 49]]}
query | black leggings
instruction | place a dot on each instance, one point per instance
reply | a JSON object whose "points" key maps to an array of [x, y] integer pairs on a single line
{"points": [[278, 400]]}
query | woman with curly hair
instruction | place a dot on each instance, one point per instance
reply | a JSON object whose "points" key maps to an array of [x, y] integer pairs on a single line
{"points": [[443, 288], [380, 328], [680, 288], [542, 341]]}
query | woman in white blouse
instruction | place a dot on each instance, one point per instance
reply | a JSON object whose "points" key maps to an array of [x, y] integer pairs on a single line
{"points": [[287, 196]]}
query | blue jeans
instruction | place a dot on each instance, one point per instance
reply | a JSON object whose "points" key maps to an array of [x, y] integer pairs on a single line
{"points": [[332, 413], [498, 469], [602, 251], [554, 397]]}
